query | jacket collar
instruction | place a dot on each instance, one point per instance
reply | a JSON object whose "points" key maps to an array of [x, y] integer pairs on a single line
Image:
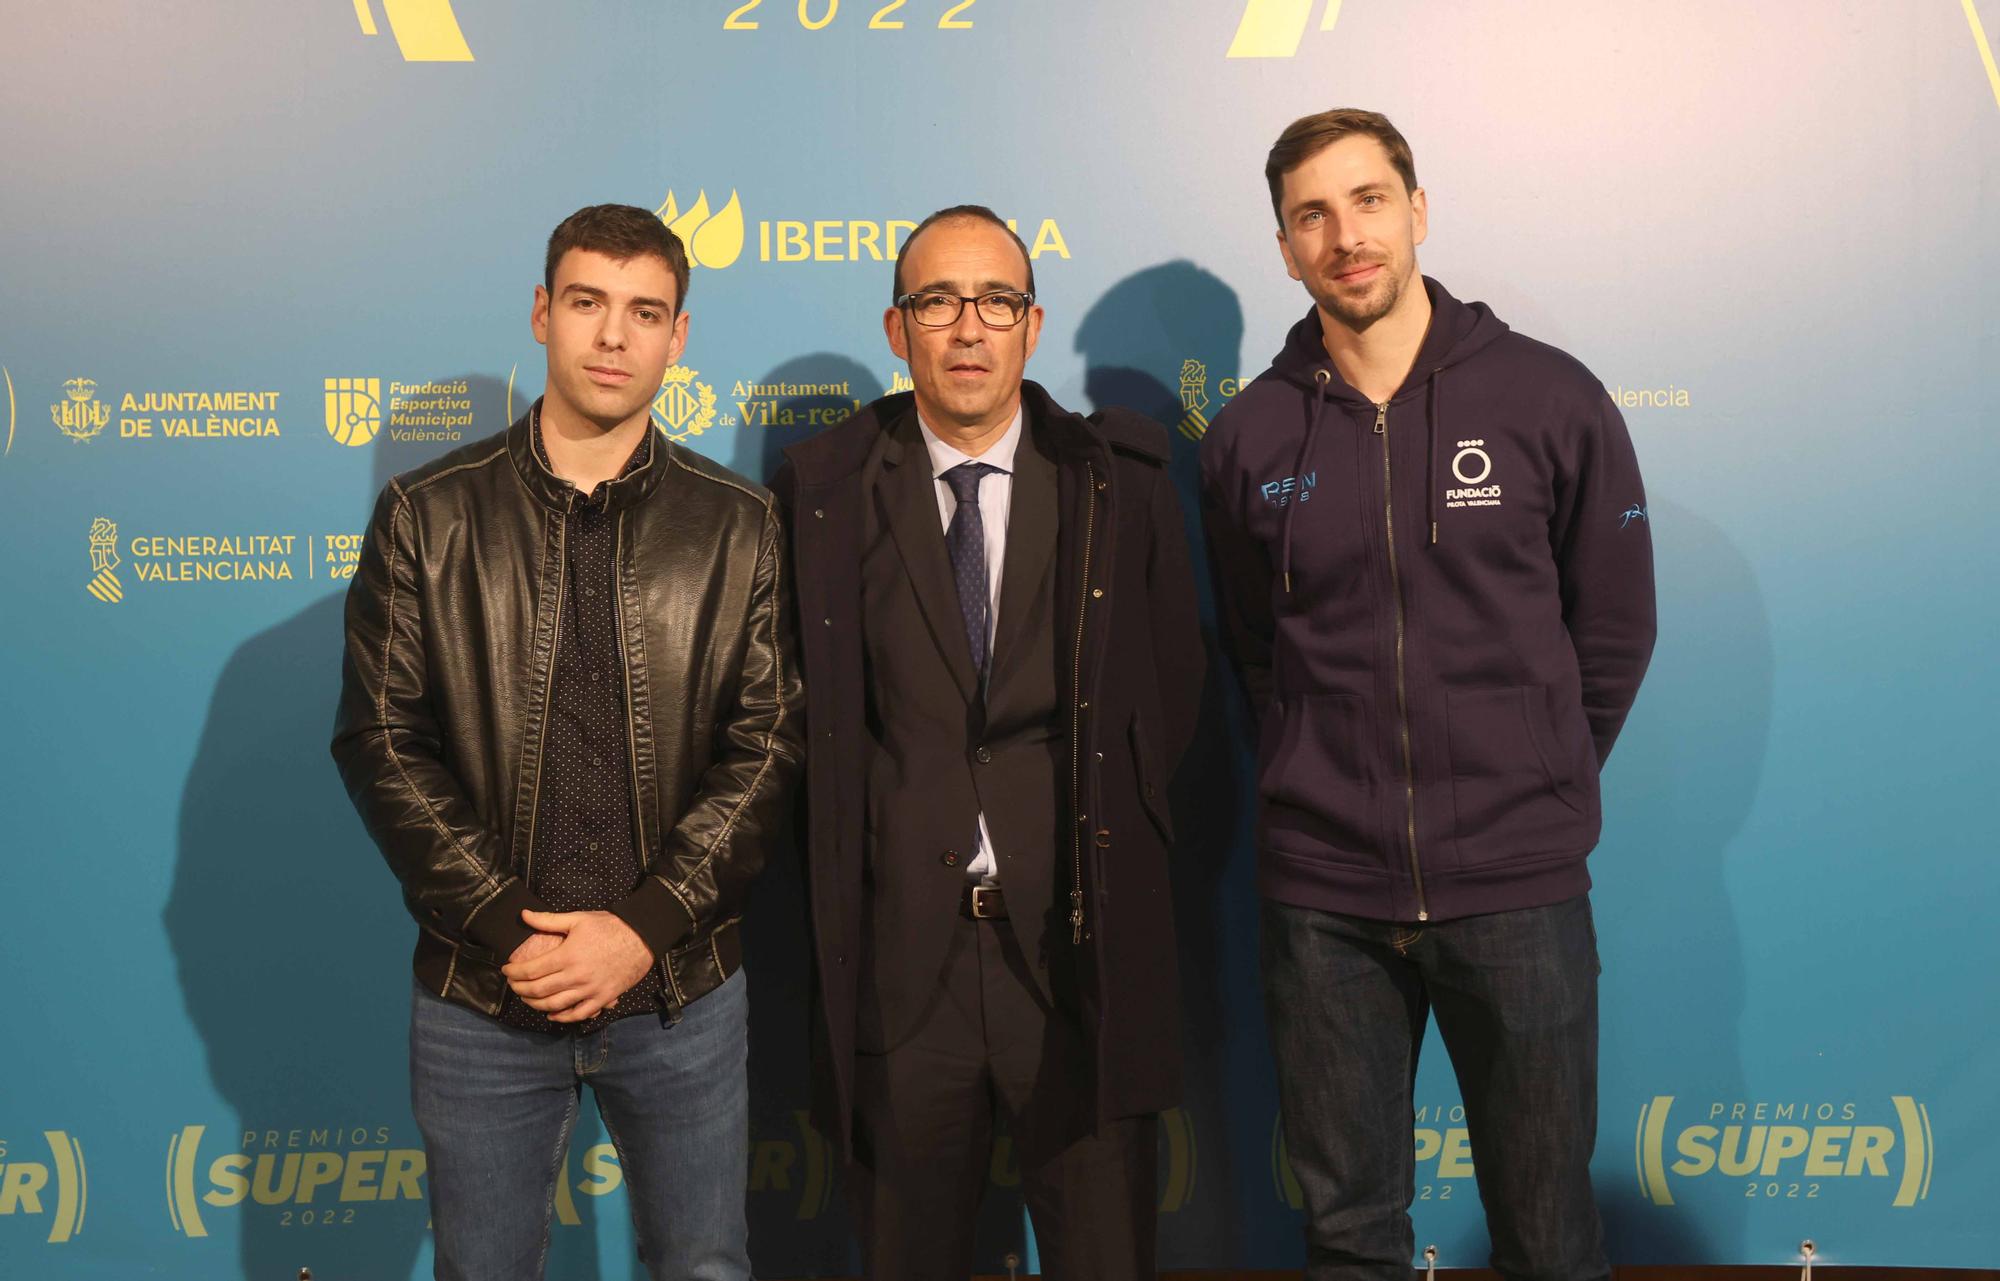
{"points": [[554, 492], [844, 450]]}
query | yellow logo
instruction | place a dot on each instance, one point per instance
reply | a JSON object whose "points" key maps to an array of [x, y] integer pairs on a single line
{"points": [[1273, 28], [22, 1184], [711, 239], [1177, 1128], [1440, 1143], [103, 582], [289, 1173], [773, 1165], [1985, 49], [353, 409], [1194, 399], [1781, 1148], [684, 407], [426, 30], [80, 415]]}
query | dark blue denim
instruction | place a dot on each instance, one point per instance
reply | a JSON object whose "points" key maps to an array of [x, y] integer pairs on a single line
{"points": [[496, 1105], [1515, 995]]}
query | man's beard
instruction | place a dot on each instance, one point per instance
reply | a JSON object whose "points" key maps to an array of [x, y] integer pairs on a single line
{"points": [[1359, 313]]}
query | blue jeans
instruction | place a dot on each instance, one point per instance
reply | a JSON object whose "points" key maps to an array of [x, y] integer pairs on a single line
{"points": [[1516, 1001], [496, 1105]]}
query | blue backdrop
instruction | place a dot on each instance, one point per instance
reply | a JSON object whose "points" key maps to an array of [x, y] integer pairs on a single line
{"points": [[259, 257]]}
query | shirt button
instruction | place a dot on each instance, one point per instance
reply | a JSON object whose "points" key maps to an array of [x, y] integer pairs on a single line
{"points": [[1096, 592], [597, 760], [593, 675], [593, 847], [819, 514], [983, 756], [950, 858]]}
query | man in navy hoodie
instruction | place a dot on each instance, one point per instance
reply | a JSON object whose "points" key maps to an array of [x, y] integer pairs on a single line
{"points": [[1435, 579]]}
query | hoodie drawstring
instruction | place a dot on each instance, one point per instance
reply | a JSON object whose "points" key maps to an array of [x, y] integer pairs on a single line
{"points": [[1431, 459], [1323, 378]]}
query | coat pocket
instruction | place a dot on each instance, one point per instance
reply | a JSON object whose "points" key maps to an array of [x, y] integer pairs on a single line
{"points": [[1511, 788], [1312, 774], [1152, 788]]}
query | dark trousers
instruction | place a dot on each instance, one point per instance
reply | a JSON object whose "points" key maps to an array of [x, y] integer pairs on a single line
{"points": [[1516, 1001], [924, 1115]]}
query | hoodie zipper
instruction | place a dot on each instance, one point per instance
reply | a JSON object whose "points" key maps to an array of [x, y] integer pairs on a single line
{"points": [[1402, 693], [1076, 716]]}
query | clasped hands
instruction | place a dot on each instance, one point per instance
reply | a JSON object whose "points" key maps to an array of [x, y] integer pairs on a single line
{"points": [[576, 964]]}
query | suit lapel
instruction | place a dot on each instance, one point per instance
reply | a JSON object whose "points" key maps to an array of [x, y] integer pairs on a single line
{"points": [[1031, 543], [909, 504]]}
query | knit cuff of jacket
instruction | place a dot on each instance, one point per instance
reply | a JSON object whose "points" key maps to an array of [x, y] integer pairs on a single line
{"points": [[498, 926], [656, 915]]}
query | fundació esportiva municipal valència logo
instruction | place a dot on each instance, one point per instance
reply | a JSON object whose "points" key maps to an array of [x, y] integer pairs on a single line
{"points": [[1786, 1150], [56, 1190]]}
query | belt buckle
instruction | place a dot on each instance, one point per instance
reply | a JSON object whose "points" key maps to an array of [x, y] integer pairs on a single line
{"points": [[986, 903]]}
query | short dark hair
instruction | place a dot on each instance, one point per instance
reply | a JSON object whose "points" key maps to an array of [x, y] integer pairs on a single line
{"points": [[1307, 136], [621, 233], [972, 213]]}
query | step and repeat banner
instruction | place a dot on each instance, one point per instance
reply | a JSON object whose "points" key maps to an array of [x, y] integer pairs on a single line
{"points": [[257, 258]]}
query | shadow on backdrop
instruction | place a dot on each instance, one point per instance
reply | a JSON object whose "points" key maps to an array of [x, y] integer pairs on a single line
{"points": [[1680, 787], [798, 1212], [1161, 341], [293, 949]]}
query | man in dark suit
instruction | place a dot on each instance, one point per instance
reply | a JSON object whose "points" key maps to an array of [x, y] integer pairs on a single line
{"points": [[1002, 666]]}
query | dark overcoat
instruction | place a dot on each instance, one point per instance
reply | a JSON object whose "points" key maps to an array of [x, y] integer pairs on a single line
{"points": [[1130, 655]]}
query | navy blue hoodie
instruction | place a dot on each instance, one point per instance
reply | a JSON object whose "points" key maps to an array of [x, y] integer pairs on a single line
{"points": [[1440, 607]]}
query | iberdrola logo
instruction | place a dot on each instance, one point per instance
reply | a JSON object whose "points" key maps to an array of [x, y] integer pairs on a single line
{"points": [[712, 239]]}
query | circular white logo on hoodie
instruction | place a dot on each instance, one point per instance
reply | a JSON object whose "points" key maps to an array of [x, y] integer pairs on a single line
{"points": [[1470, 449]]}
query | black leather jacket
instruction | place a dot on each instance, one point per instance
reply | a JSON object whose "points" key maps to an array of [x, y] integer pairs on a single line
{"points": [[451, 637]]}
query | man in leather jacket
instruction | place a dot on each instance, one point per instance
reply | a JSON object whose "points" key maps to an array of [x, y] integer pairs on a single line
{"points": [[570, 719]]}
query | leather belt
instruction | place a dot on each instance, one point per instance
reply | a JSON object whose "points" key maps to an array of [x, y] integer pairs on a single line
{"points": [[983, 903]]}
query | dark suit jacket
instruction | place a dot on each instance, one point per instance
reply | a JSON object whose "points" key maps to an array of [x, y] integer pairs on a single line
{"points": [[1129, 666], [943, 746]]}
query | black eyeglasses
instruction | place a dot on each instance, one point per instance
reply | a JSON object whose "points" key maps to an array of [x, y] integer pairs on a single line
{"points": [[1001, 309]]}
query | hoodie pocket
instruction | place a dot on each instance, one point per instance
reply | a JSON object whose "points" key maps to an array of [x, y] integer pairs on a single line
{"points": [[1510, 798], [1310, 775]]}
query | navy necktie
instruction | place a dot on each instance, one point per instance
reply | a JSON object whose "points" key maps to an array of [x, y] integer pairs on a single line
{"points": [[966, 540]]}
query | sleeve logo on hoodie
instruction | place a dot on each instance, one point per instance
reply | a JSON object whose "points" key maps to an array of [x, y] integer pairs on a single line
{"points": [[1281, 492], [1473, 466]]}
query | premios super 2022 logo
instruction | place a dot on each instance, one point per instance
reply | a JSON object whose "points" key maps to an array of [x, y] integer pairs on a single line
{"points": [[303, 1177], [1787, 1150], [57, 1189], [1441, 1142]]}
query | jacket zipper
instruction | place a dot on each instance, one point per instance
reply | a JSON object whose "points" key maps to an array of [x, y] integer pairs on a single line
{"points": [[1402, 694], [1076, 716], [625, 667], [549, 686]]}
